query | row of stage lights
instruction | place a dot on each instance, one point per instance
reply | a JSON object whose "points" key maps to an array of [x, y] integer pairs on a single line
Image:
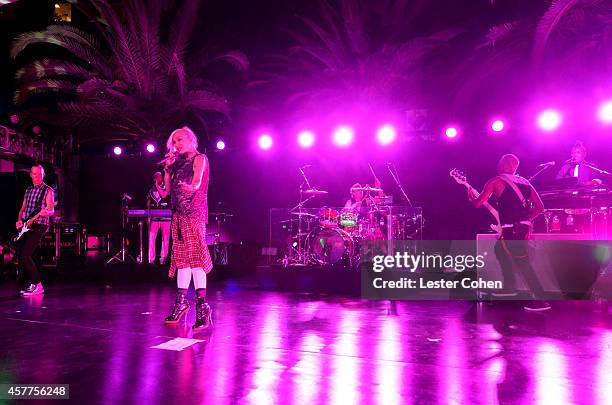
{"points": [[151, 148], [548, 120]]}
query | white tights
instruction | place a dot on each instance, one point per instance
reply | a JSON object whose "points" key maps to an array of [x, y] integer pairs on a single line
{"points": [[183, 278]]}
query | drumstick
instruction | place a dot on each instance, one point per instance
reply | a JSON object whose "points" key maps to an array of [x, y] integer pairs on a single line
{"points": [[372, 170]]}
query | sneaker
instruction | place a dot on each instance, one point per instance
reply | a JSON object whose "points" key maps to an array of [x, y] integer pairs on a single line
{"points": [[33, 289], [537, 306]]}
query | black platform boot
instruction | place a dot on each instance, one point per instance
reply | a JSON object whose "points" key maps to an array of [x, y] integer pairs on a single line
{"points": [[180, 308], [203, 315]]}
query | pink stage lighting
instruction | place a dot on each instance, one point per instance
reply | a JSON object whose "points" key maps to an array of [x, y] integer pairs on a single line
{"points": [[605, 113], [343, 136], [549, 120], [265, 141], [117, 150], [306, 139], [451, 132], [220, 145], [150, 148], [497, 126], [386, 135]]}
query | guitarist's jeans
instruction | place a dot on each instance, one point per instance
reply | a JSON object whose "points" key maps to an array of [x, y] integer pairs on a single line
{"points": [[31, 240], [512, 250]]}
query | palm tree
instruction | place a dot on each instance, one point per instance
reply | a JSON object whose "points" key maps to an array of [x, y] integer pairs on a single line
{"points": [[128, 78], [357, 53], [569, 42]]}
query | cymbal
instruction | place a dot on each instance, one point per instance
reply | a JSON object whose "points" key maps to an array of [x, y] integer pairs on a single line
{"points": [[313, 191], [376, 190], [303, 214]]}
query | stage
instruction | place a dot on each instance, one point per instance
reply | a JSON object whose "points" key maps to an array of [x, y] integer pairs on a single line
{"points": [[272, 347]]}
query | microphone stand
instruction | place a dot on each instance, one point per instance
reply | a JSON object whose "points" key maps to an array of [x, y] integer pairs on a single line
{"points": [[398, 183], [539, 172], [596, 169]]}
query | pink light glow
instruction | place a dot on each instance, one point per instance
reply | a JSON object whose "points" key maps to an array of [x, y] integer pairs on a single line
{"points": [[605, 113], [343, 136], [451, 132], [220, 145], [497, 125], [386, 134], [306, 139], [549, 120], [150, 148], [117, 150], [265, 142]]}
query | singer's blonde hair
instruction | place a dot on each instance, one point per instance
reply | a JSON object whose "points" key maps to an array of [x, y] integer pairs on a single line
{"points": [[186, 130]]}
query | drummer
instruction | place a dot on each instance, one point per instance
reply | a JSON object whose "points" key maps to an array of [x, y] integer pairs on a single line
{"points": [[359, 201]]}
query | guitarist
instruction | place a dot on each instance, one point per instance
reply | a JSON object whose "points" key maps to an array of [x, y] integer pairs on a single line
{"points": [[37, 198], [518, 204]]}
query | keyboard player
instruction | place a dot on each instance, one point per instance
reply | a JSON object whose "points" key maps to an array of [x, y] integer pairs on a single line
{"points": [[157, 198], [578, 168]]}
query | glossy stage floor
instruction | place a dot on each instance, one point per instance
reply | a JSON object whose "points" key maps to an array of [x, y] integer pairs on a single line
{"points": [[291, 348]]}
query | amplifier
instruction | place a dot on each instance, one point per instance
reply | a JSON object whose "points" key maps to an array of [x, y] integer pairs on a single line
{"points": [[95, 242], [63, 239]]}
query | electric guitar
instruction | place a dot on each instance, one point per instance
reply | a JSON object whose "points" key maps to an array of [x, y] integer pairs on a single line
{"points": [[461, 179], [26, 226]]}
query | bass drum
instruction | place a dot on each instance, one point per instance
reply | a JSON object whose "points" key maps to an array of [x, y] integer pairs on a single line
{"points": [[331, 246]]}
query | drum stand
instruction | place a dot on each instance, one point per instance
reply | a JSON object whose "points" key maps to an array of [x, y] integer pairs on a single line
{"points": [[123, 255], [299, 256]]}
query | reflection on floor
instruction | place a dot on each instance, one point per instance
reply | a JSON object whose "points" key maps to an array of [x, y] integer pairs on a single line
{"points": [[285, 348]]}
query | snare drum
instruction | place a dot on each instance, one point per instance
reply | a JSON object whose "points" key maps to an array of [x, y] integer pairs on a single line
{"points": [[328, 218]]}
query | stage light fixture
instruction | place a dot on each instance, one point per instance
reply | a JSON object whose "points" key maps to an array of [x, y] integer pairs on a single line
{"points": [[265, 141], [605, 112], [386, 134], [220, 144], [549, 120], [150, 148], [343, 136], [306, 139], [451, 132], [497, 126], [117, 150]]}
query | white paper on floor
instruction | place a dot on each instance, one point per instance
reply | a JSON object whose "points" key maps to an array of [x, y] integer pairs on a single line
{"points": [[177, 344]]}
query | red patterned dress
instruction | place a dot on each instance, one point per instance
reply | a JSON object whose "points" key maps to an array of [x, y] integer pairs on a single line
{"points": [[189, 217]]}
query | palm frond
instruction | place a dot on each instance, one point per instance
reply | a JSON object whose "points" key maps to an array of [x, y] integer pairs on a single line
{"points": [[235, 59], [87, 53], [43, 86], [498, 33], [179, 69], [550, 20], [121, 43], [206, 101], [50, 68], [180, 32], [353, 22]]}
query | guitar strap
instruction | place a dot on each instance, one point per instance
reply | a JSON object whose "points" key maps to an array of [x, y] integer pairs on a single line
{"points": [[510, 180]]}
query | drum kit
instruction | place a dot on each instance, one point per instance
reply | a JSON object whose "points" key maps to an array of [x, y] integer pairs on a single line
{"points": [[333, 236]]}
